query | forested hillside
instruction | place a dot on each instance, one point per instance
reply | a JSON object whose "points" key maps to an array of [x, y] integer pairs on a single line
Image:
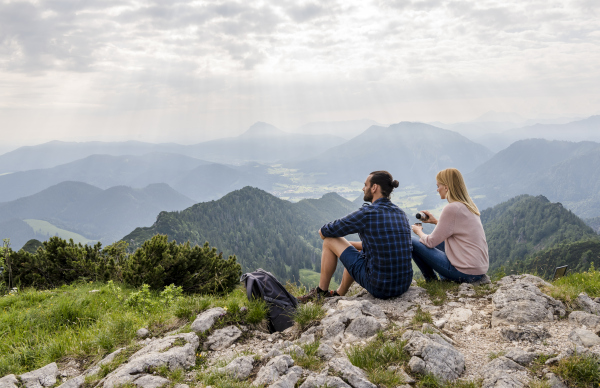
{"points": [[578, 255], [525, 225], [260, 229], [594, 223]]}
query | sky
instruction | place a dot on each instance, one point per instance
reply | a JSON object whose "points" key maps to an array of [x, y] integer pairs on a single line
{"points": [[187, 71]]}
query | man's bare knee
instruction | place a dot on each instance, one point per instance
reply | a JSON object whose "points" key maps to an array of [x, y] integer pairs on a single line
{"points": [[337, 245]]}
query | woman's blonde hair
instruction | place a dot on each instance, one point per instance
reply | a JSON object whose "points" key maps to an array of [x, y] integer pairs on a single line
{"points": [[457, 190]]}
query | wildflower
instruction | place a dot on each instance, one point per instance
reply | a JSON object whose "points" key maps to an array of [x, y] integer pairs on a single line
{"points": [[225, 308]]}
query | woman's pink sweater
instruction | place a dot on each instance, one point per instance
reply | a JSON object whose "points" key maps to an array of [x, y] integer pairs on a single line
{"points": [[463, 234]]}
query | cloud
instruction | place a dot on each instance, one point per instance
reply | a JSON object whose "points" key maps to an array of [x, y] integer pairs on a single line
{"points": [[292, 59]]}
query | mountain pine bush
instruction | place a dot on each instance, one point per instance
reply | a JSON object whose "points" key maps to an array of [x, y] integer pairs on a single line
{"points": [[196, 269]]}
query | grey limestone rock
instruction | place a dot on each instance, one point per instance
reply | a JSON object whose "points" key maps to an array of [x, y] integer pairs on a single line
{"points": [[584, 338], [588, 304], [521, 303], [520, 356], [325, 351], [272, 371], [288, 380], [240, 368], [352, 374], [503, 373], [96, 368], [9, 381], [150, 381], [43, 377], [417, 365], [334, 329], [160, 352], [222, 338], [73, 383], [306, 338], [441, 359], [554, 381], [363, 327], [142, 333], [322, 380], [206, 320], [524, 333], [525, 278], [591, 321]]}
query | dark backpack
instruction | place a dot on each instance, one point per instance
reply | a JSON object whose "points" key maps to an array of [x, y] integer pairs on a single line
{"points": [[282, 305]]}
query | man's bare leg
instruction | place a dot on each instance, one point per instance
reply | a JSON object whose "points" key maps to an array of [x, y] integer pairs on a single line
{"points": [[347, 279], [332, 249]]}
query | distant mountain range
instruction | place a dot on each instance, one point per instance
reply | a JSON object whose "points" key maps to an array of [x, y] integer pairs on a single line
{"points": [[524, 225], [580, 130], [344, 129], [262, 142], [261, 229], [195, 178], [412, 152], [97, 214], [563, 171]]}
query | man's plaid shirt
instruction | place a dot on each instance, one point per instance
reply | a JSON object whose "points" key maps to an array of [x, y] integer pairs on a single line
{"points": [[386, 239]]}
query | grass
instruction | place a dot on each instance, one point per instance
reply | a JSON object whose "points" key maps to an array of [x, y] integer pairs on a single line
{"points": [[430, 381], [310, 279], [569, 287], [47, 229], [307, 314], [421, 317], [376, 356], [494, 355], [40, 327], [437, 290], [579, 370], [310, 359]]}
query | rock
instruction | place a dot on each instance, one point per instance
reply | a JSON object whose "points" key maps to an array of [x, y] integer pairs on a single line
{"points": [[150, 381], [440, 323], [441, 359], [590, 321], [520, 356], [109, 358], [240, 368], [584, 337], [417, 365], [306, 338], [288, 380], [323, 380], [325, 351], [354, 375], [524, 333], [522, 303], [502, 372], [158, 353], [460, 315], [9, 381], [43, 377], [142, 333], [77, 382], [206, 320], [466, 289], [588, 304], [525, 278], [181, 386], [503, 380], [275, 368], [363, 327], [222, 338], [554, 382], [334, 329]]}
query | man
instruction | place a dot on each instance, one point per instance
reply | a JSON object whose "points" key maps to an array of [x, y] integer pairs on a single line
{"points": [[381, 261]]}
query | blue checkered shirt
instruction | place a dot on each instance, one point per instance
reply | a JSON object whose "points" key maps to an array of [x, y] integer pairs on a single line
{"points": [[386, 240]]}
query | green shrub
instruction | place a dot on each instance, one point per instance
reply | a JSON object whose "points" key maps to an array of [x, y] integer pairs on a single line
{"points": [[196, 269], [308, 313], [257, 311]]}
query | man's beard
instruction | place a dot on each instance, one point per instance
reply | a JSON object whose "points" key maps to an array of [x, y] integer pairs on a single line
{"points": [[368, 196]]}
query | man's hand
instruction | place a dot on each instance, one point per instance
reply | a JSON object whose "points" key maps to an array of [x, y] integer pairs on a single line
{"points": [[431, 219], [321, 234]]}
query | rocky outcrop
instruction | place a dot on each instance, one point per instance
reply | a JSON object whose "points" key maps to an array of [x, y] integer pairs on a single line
{"points": [[207, 319], [432, 354], [43, 377]]}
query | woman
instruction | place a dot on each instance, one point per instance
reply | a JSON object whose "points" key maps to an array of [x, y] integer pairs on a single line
{"points": [[457, 249]]}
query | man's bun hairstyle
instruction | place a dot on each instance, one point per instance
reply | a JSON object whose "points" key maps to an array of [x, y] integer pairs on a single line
{"points": [[385, 181]]}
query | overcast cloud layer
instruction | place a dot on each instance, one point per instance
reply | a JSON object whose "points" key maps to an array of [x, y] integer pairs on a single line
{"points": [[192, 70]]}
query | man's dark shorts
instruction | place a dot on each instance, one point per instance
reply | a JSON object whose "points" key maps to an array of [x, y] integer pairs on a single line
{"points": [[357, 267]]}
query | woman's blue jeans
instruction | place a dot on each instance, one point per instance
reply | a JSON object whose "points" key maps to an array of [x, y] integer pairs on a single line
{"points": [[434, 260]]}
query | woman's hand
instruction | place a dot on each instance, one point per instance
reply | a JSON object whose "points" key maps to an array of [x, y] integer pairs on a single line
{"points": [[431, 219], [418, 230]]}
